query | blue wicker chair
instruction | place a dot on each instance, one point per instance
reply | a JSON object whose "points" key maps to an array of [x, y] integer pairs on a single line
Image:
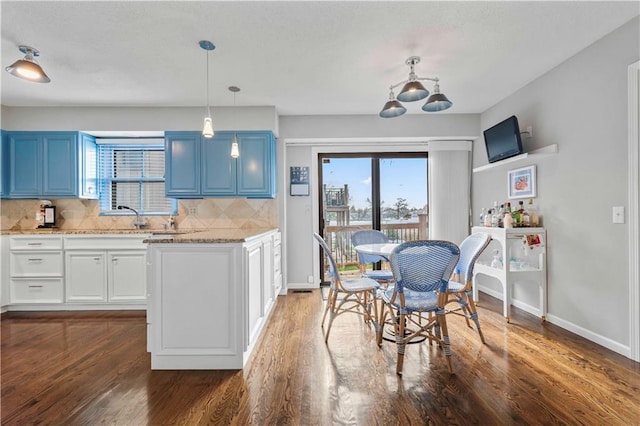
{"points": [[461, 284], [357, 295], [371, 236], [422, 270]]}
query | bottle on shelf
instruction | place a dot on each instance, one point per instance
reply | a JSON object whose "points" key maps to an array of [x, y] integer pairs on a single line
{"points": [[495, 219], [516, 218], [534, 219], [482, 214], [487, 218], [501, 216], [508, 220], [521, 214]]}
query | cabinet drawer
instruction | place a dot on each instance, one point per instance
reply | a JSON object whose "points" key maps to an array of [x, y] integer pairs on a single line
{"points": [[36, 264], [95, 242], [35, 243], [36, 290]]}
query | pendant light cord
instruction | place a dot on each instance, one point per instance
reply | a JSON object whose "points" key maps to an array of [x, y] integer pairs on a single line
{"points": [[208, 109]]}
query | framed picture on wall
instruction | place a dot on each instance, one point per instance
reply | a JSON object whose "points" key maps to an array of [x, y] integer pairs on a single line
{"points": [[522, 182]]}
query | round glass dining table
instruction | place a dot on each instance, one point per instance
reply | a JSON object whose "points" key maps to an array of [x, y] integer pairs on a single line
{"points": [[380, 249]]}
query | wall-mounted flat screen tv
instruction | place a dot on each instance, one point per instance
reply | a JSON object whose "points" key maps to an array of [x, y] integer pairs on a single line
{"points": [[503, 140]]}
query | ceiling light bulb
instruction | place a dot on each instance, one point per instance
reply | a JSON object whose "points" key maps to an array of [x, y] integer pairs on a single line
{"points": [[207, 130], [27, 73], [235, 150]]}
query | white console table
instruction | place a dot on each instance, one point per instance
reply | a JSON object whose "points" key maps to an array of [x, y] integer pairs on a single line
{"points": [[531, 267]]}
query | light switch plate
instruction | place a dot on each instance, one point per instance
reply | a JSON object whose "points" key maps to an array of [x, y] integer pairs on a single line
{"points": [[618, 214]]}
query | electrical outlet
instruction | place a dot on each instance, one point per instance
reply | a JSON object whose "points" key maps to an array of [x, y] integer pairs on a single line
{"points": [[310, 279], [530, 131], [192, 211]]}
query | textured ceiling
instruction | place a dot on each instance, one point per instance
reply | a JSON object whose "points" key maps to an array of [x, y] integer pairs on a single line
{"points": [[302, 57]]}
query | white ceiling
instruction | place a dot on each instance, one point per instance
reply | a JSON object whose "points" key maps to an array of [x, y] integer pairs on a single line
{"points": [[303, 57]]}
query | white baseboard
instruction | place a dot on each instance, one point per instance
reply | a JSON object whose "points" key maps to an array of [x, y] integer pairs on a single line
{"points": [[87, 307], [301, 286], [569, 326], [589, 335], [533, 310]]}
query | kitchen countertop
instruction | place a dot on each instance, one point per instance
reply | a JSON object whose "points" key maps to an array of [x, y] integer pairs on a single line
{"points": [[200, 236], [58, 231], [215, 236]]}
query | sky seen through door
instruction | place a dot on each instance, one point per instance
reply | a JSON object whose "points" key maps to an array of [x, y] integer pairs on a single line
{"points": [[399, 178]]}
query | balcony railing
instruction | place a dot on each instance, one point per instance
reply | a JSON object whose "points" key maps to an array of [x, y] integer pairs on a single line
{"points": [[338, 238]]}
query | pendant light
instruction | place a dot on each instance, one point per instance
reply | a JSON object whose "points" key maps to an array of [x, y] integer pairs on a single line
{"points": [[207, 130], [28, 68], [235, 149]]}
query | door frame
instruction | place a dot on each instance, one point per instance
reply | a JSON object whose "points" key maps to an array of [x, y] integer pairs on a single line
{"points": [[376, 220], [634, 209]]}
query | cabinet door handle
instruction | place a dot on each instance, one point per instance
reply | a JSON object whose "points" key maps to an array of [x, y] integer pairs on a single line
{"points": [[35, 286], [35, 260], [34, 244], [114, 259], [97, 259]]}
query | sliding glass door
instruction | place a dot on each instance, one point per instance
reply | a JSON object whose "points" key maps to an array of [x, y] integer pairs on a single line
{"points": [[387, 192]]}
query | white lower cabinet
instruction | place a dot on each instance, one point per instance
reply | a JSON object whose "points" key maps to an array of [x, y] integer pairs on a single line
{"points": [[105, 269], [105, 276], [5, 275], [127, 276], [277, 264], [36, 270], [208, 302], [74, 271], [86, 276]]}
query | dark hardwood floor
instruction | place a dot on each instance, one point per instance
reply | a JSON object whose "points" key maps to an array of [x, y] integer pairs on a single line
{"points": [[92, 368]]}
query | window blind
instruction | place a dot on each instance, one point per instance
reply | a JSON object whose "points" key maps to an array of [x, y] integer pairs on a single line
{"points": [[133, 175]]}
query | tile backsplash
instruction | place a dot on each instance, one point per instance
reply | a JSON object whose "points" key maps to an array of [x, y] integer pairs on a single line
{"points": [[211, 213]]}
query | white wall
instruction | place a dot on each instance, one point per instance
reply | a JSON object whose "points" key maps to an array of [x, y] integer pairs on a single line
{"points": [[581, 105], [137, 119], [349, 133]]}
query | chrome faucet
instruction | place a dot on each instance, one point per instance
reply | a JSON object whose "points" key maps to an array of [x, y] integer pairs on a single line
{"points": [[138, 223]]}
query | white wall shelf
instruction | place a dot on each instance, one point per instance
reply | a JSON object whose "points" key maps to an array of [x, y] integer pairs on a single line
{"points": [[549, 149]]}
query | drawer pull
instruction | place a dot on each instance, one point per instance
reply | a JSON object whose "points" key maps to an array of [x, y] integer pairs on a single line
{"points": [[97, 259], [35, 286], [35, 260], [34, 244]]}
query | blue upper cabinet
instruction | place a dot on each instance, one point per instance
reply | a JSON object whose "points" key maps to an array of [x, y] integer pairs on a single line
{"points": [[59, 160], [88, 167], [25, 165], [182, 164], [49, 164], [256, 164], [198, 167], [218, 168], [4, 170]]}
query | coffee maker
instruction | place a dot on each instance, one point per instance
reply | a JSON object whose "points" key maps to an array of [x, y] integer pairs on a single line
{"points": [[46, 216]]}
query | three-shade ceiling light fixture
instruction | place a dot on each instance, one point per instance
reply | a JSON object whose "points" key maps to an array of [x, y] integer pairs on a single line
{"points": [[28, 67], [412, 91]]}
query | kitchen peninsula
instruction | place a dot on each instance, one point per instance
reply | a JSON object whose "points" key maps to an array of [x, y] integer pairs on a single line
{"points": [[209, 296]]}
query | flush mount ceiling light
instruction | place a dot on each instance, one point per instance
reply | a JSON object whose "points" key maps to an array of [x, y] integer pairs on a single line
{"points": [[207, 130], [412, 91], [235, 149], [28, 67]]}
